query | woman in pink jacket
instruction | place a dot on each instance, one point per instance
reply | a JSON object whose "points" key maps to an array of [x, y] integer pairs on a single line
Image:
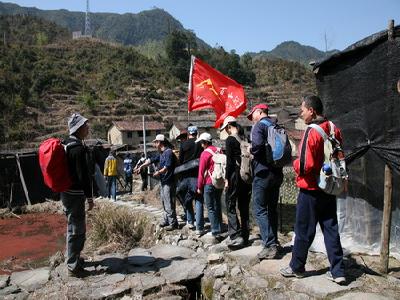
{"points": [[212, 195]]}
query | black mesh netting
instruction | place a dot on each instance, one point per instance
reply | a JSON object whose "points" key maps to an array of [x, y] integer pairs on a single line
{"points": [[360, 94], [10, 181]]}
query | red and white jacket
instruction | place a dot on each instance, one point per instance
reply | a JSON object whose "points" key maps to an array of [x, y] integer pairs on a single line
{"points": [[311, 155]]}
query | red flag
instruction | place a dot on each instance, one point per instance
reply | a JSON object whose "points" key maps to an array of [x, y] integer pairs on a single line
{"points": [[209, 88]]}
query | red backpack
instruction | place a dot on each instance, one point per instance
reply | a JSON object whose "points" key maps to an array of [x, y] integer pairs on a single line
{"points": [[54, 165]]}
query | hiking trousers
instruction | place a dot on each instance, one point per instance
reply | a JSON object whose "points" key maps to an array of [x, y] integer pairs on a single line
{"points": [[238, 196], [212, 199], [74, 208], [112, 187], [167, 193], [265, 192], [188, 193], [128, 182], [316, 207]]}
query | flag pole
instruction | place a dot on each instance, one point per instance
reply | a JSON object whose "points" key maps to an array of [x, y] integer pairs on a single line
{"points": [[192, 58], [145, 150]]}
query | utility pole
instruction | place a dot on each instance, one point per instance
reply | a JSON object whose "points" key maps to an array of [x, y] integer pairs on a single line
{"points": [[326, 42], [88, 32]]}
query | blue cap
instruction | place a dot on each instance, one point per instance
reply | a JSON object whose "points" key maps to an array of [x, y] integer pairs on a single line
{"points": [[192, 129]]}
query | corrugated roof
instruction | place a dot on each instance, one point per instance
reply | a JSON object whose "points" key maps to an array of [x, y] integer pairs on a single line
{"points": [[138, 125]]}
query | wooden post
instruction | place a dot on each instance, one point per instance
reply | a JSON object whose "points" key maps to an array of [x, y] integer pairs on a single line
{"points": [[21, 176], [386, 220], [11, 194], [387, 198], [391, 30]]}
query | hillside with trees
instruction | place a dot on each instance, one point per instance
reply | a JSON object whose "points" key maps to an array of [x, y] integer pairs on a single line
{"points": [[45, 76], [127, 29]]}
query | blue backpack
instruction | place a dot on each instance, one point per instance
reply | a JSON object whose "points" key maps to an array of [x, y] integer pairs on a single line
{"points": [[128, 166], [278, 148]]}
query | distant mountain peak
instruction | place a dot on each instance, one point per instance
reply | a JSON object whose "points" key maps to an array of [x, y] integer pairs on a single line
{"points": [[294, 51], [128, 28]]}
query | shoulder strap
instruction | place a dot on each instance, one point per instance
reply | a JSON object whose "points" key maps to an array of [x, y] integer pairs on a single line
{"points": [[266, 122], [210, 151], [332, 129], [70, 145], [319, 130], [237, 138]]}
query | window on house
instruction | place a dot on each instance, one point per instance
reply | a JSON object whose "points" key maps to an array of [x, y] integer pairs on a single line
{"points": [[141, 133], [129, 134]]}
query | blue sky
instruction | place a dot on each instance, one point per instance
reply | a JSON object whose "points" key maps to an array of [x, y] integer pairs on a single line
{"points": [[255, 25]]}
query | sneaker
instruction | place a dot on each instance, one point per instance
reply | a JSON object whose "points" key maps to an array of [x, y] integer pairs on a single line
{"points": [[338, 280], [237, 242], [78, 273], [288, 272], [163, 224], [268, 253], [199, 233], [81, 262], [171, 227], [190, 226]]}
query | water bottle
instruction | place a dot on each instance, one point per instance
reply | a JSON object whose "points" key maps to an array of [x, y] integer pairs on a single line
{"points": [[326, 168]]}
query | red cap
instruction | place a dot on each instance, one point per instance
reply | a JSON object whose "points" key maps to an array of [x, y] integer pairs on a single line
{"points": [[258, 106]]}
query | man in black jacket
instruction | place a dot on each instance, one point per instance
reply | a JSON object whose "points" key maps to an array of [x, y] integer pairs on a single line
{"points": [[190, 151], [81, 173]]}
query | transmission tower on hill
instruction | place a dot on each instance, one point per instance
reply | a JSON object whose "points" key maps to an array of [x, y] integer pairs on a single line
{"points": [[88, 32]]}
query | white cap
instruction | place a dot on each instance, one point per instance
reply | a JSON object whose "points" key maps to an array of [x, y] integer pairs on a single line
{"points": [[205, 136], [75, 122], [228, 119], [159, 137]]}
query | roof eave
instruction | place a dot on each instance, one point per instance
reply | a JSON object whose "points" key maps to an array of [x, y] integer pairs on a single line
{"points": [[362, 44]]}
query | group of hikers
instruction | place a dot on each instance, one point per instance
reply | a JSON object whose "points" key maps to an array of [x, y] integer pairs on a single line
{"points": [[111, 174], [196, 188]]}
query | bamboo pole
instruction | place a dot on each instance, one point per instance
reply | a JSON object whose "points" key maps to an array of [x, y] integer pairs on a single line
{"points": [[21, 175], [386, 221], [11, 194]]}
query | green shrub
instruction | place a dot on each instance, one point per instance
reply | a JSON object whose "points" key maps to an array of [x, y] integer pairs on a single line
{"points": [[89, 99], [99, 130], [144, 109]]}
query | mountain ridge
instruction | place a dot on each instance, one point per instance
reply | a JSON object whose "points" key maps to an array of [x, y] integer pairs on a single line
{"points": [[150, 26], [126, 28], [293, 51]]}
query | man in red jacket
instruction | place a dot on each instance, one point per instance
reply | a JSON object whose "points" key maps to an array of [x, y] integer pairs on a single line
{"points": [[313, 205]]}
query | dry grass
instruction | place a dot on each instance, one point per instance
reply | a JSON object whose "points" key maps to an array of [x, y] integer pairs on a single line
{"points": [[49, 206], [119, 226]]}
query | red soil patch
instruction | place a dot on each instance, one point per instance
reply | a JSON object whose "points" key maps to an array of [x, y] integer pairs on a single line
{"points": [[29, 241]]}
